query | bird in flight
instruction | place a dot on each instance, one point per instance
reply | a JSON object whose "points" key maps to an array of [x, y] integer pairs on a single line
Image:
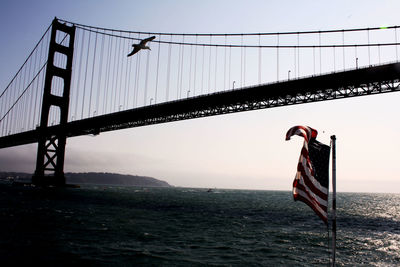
{"points": [[141, 45]]}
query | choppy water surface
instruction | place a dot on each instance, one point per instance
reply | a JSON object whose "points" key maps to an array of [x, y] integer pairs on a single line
{"points": [[126, 226]]}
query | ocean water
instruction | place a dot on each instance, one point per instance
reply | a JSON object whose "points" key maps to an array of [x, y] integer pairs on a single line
{"points": [[128, 226]]}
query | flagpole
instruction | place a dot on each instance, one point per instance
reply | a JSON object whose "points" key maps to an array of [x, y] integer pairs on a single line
{"points": [[333, 139]]}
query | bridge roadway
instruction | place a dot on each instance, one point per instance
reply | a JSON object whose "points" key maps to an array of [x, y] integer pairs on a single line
{"points": [[338, 85]]}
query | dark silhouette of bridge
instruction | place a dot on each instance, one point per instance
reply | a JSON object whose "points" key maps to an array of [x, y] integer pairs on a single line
{"points": [[78, 81]]}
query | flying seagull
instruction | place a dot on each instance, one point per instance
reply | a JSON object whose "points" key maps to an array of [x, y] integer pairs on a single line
{"points": [[141, 45]]}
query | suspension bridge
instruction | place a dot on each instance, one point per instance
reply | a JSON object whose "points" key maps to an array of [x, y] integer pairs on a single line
{"points": [[78, 80]]}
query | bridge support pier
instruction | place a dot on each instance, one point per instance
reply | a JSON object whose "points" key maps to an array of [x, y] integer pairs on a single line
{"points": [[51, 145]]}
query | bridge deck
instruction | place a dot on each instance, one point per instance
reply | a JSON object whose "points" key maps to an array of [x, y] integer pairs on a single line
{"points": [[365, 81]]}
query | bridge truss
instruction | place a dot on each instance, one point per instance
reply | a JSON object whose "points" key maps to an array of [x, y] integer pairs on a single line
{"points": [[355, 83]]}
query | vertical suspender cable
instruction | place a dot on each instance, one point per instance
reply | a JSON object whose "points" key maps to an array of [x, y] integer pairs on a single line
{"points": [[294, 62], [108, 64], [202, 72], [137, 76], [4, 120], [137, 79], [229, 65], [314, 58], [334, 59], [195, 68], [355, 52], [120, 66], [78, 80], [190, 69], [168, 70], [99, 86], [113, 71], [134, 82], [28, 97], [12, 94], [320, 53], [8, 116], [344, 57], [244, 66], [127, 73], [395, 40], [7, 126], [129, 77], [20, 105], [37, 84], [182, 69], [28, 108], [31, 111], [16, 93], [84, 84], [216, 68], [298, 55], [179, 71], [2, 108], [379, 53], [277, 57], [241, 61], [116, 88], [1, 115], [369, 50], [209, 68], [146, 79], [259, 58], [10, 99], [91, 83], [224, 66], [16, 109], [3, 102], [158, 67], [125, 77]]}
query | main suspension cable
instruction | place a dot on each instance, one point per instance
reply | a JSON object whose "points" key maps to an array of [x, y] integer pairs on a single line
{"points": [[87, 27]]}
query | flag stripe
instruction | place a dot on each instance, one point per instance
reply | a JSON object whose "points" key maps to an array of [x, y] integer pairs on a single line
{"points": [[308, 172], [311, 202], [309, 184], [323, 216], [318, 201], [304, 131]]}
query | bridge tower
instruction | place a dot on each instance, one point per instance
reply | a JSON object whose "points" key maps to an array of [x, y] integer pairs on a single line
{"points": [[51, 144]]}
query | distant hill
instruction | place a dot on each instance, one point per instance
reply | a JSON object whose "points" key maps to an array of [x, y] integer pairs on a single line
{"points": [[94, 178], [113, 179]]}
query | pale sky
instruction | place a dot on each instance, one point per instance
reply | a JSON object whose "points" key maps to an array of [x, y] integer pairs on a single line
{"points": [[242, 150]]}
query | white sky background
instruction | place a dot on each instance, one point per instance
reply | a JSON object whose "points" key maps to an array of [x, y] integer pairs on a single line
{"points": [[243, 150]]}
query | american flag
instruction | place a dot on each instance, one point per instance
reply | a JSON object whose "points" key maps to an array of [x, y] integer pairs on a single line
{"points": [[311, 184]]}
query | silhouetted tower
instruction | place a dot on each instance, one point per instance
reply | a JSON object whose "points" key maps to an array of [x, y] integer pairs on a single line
{"points": [[52, 140]]}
